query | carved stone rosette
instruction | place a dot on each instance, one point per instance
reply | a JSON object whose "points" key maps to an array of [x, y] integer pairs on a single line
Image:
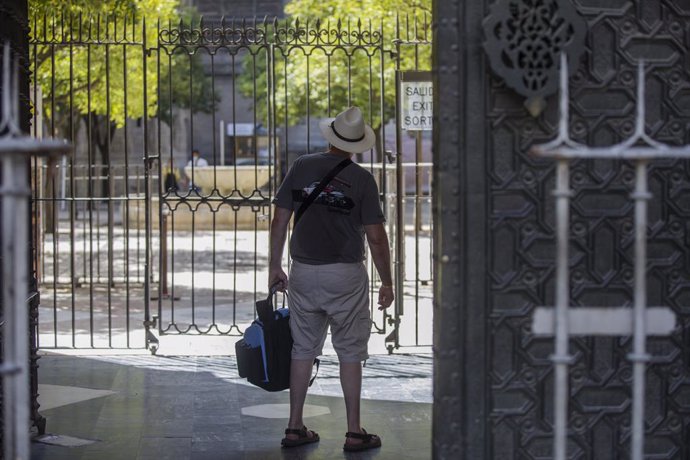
{"points": [[524, 39]]}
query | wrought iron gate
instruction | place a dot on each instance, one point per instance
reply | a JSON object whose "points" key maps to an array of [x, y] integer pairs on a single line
{"points": [[134, 232]]}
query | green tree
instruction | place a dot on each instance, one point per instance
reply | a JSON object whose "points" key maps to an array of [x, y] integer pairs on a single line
{"points": [[184, 83], [89, 60], [327, 79]]}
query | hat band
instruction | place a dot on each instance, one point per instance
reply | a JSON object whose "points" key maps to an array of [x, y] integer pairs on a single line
{"points": [[343, 138]]}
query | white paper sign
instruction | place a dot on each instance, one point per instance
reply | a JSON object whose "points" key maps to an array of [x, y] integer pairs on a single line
{"points": [[417, 106]]}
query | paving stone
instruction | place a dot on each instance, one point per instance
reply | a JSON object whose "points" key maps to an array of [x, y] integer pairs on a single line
{"points": [[177, 408]]}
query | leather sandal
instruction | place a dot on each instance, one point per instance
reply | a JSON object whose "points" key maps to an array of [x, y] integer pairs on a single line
{"points": [[369, 441], [302, 437]]}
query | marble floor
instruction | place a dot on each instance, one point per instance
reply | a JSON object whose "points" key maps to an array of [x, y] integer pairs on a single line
{"points": [[158, 407]]}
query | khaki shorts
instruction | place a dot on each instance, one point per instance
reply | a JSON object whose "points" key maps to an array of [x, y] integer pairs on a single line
{"points": [[335, 295]]}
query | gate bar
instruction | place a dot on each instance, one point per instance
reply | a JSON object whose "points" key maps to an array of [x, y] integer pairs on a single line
{"points": [[639, 357], [561, 358], [15, 194], [147, 192], [641, 148], [16, 150]]}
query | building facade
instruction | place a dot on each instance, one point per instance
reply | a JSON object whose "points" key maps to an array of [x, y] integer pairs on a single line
{"points": [[214, 10]]}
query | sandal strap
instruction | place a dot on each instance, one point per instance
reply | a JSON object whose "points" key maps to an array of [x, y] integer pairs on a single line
{"points": [[298, 431], [366, 437], [301, 432]]}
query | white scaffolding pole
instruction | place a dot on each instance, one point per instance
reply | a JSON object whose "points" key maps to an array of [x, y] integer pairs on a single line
{"points": [[15, 193]]}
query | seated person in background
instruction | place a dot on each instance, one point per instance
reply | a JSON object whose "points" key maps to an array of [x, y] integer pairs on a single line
{"points": [[194, 162]]}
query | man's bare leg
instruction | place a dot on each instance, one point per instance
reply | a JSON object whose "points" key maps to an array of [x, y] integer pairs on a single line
{"points": [[300, 372], [351, 381]]}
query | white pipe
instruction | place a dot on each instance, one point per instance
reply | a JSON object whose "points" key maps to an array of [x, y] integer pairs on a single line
{"points": [[221, 132], [561, 359], [63, 183], [15, 199], [639, 356]]}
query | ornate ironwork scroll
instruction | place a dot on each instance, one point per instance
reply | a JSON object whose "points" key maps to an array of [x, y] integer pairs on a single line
{"points": [[279, 32], [563, 322], [524, 39], [496, 239]]}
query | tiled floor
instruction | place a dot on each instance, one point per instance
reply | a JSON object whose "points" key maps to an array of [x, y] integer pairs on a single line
{"points": [[191, 408]]}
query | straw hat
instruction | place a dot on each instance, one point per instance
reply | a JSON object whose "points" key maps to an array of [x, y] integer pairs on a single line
{"points": [[348, 132]]}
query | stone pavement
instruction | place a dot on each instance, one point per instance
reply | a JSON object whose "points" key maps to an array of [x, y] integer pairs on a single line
{"points": [[188, 402], [152, 407]]}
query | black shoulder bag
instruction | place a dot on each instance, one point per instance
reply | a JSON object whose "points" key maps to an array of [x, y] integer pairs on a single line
{"points": [[265, 352], [319, 188]]}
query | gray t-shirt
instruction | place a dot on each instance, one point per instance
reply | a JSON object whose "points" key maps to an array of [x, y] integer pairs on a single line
{"points": [[332, 228]]}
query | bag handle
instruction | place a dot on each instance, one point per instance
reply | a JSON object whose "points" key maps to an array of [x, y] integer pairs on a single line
{"points": [[264, 309]]}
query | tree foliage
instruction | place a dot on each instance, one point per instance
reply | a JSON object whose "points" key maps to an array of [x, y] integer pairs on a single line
{"points": [[90, 56], [95, 59], [322, 80]]}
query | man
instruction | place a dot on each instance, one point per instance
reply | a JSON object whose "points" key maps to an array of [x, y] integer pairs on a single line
{"points": [[328, 276], [196, 161]]}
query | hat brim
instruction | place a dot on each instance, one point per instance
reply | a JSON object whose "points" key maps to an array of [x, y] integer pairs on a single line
{"points": [[353, 147]]}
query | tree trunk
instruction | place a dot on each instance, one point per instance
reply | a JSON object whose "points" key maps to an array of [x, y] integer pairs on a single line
{"points": [[103, 131]]}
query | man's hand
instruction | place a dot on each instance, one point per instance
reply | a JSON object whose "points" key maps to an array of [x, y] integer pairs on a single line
{"points": [[278, 278], [380, 252], [386, 297]]}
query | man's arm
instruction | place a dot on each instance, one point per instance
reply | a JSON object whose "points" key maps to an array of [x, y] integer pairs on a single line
{"points": [[279, 226], [380, 252]]}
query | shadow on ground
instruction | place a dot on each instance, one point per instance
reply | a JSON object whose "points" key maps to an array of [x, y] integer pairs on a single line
{"points": [[191, 408]]}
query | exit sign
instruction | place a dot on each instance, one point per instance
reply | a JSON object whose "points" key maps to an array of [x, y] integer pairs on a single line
{"points": [[416, 101]]}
